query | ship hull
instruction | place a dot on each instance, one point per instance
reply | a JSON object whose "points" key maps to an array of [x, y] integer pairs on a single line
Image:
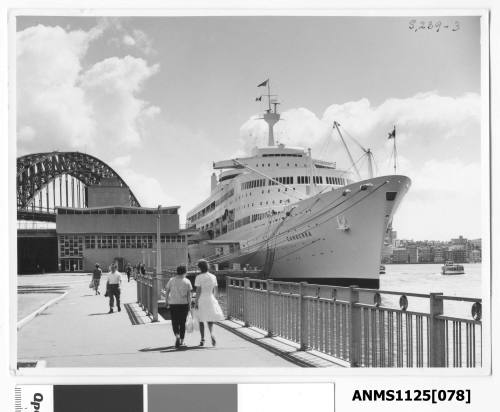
{"points": [[335, 237]]}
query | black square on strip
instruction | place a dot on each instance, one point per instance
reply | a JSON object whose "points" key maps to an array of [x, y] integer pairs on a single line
{"points": [[98, 398], [193, 398]]}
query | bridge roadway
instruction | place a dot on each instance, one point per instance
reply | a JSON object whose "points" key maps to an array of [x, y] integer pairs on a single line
{"points": [[77, 331]]}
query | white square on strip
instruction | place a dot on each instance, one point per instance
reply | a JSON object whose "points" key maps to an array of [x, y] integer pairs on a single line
{"points": [[290, 397], [34, 398]]}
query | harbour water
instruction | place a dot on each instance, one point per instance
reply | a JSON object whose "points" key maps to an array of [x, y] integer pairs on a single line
{"points": [[427, 278]]}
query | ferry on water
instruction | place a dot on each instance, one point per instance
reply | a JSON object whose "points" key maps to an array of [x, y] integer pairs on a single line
{"points": [[451, 268], [295, 217]]}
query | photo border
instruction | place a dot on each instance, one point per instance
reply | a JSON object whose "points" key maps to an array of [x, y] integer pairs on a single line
{"points": [[247, 375]]}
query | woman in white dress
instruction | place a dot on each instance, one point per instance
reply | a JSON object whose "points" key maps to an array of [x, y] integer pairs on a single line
{"points": [[208, 308]]}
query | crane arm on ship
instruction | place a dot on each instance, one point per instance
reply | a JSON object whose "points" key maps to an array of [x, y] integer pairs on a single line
{"points": [[367, 152]]}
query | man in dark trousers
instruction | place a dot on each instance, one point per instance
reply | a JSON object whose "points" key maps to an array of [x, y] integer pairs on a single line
{"points": [[96, 278], [128, 270], [113, 287]]}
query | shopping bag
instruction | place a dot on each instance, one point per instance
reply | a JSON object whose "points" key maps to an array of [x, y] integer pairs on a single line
{"points": [[189, 323], [196, 320], [91, 284]]}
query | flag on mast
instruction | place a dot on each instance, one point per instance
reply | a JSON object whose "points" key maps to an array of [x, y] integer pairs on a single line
{"points": [[264, 83], [392, 135]]}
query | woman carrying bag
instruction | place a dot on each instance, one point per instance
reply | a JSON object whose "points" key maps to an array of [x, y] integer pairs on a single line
{"points": [[178, 293], [208, 309]]}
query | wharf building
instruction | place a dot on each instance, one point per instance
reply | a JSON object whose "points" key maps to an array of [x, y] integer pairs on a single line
{"points": [[110, 230]]}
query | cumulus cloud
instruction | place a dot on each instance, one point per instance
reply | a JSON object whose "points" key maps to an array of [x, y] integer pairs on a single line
{"points": [[297, 127], [132, 40], [444, 194], [148, 190], [63, 105], [111, 87], [431, 130], [121, 161], [423, 121]]}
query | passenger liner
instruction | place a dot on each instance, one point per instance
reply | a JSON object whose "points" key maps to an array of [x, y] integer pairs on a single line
{"points": [[295, 217]]}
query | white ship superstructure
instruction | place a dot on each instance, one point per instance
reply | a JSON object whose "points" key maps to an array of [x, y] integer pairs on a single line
{"points": [[296, 217]]}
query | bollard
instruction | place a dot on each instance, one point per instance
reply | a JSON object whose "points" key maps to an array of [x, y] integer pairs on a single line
{"points": [[269, 286], [246, 302], [154, 297], [437, 346], [303, 316], [354, 328]]}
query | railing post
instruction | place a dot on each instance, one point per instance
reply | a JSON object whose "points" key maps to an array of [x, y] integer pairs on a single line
{"points": [[138, 286], [246, 282], [228, 297], [154, 296], [354, 328], [437, 344], [303, 316], [269, 286]]}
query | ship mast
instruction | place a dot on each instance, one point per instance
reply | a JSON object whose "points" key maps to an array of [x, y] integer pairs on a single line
{"points": [[271, 116]]}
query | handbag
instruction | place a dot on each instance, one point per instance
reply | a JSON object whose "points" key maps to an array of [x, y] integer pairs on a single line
{"points": [[91, 284]]}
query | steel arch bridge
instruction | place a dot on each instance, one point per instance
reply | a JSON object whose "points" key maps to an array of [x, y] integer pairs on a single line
{"points": [[73, 170]]}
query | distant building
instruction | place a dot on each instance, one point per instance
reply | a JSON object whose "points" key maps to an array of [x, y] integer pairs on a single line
{"points": [[460, 241], [475, 256], [424, 254], [458, 254], [387, 254], [400, 255], [438, 255], [412, 253]]}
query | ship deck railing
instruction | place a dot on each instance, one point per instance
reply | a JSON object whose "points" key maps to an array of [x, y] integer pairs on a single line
{"points": [[363, 327]]}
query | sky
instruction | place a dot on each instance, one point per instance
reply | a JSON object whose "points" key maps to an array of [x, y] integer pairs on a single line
{"points": [[160, 98]]}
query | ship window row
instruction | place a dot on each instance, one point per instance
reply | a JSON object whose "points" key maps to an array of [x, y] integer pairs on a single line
{"points": [[223, 198], [285, 180], [281, 155], [211, 206], [334, 180], [253, 184], [330, 180]]}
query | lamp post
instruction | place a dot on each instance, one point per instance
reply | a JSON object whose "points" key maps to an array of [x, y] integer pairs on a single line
{"points": [[158, 242]]}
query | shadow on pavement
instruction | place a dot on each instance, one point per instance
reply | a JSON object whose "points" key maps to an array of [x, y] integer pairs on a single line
{"points": [[166, 349], [99, 314], [156, 349]]}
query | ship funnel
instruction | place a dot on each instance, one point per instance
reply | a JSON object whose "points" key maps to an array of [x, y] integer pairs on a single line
{"points": [[213, 181]]}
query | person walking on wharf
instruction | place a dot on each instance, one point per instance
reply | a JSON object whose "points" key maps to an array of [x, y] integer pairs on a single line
{"points": [[128, 270], [178, 293], [96, 278], [209, 309], [113, 287]]}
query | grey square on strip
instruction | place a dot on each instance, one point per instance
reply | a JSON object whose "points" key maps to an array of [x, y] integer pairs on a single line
{"points": [[193, 398]]}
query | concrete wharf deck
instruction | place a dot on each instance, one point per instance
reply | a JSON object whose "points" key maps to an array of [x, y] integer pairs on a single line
{"points": [[77, 331]]}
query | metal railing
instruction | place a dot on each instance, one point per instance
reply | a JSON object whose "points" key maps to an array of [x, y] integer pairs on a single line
{"points": [[364, 327], [150, 292]]}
